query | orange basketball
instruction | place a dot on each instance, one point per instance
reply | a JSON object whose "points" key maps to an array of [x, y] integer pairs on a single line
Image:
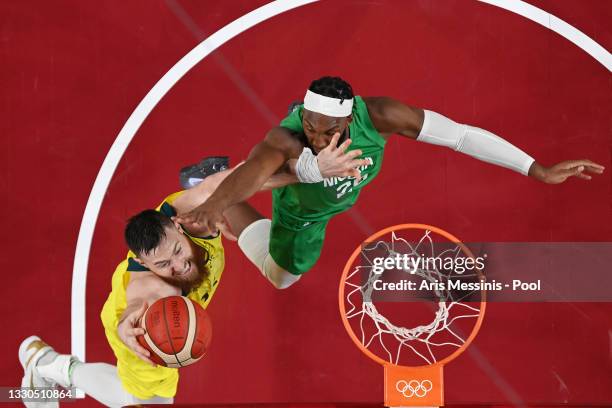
{"points": [[178, 331]]}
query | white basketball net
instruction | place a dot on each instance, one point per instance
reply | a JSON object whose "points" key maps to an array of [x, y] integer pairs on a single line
{"points": [[426, 341]]}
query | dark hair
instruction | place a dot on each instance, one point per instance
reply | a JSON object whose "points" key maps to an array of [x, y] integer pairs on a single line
{"points": [[334, 87], [146, 230]]}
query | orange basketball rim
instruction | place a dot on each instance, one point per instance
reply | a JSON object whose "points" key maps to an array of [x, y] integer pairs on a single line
{"points": [[410, 385]]}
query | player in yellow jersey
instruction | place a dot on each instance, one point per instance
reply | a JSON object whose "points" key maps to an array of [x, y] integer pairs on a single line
{"points": [[164, 260]]}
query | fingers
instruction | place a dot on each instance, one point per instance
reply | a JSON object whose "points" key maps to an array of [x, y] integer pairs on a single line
{"points": [[142, 353], [183, 219], [205, 230], [583, 176], [334, 141], [342, 148], [138, 349], [594, 169], [576, 168], [358, 163], [352, 154], [141, 311], [578, 172], [226, 231], [339, 161], [135, 332], [195, 227], [354, 168], [200, 221], [132, 343], [333, 144], [145, 359], [133, 319], [588, 163], [573, 171], [189, 218], [130, 340], [350, 161], [583, 162], [355, 173]]}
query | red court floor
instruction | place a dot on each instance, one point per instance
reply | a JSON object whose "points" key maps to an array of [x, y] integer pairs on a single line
{"points": [[72, 72]]}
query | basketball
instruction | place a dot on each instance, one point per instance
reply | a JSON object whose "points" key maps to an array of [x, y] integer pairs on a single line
{"points": [[178, 331]]}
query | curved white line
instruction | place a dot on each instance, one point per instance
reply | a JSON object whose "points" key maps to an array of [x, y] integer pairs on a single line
{"points": [[92, 209], [571, 33], [125, 136]]}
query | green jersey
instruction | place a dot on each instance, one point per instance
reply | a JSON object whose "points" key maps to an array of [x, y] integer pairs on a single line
{"points": [[301, 204]]}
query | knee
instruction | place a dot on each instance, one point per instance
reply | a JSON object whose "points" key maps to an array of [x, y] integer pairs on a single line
{"points": [[283, 283], [278, 277]]}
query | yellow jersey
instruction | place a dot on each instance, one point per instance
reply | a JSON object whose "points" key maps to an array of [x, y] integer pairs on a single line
{"points": [[138, 378]]}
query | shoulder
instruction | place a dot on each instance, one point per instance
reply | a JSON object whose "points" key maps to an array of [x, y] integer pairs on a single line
{"points": [[381, 108], [289, 141], [392, 116]]}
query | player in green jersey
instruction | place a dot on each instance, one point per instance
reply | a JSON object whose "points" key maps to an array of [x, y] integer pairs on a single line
{"points": [[338, 140]]}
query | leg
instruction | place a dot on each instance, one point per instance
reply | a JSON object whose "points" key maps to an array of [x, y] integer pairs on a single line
{"points": [[31, 351], [44, 367], [282, 254], [278, 277], [101, 382], [240, 216], [192, 175], [295, 246], [254, 241]]}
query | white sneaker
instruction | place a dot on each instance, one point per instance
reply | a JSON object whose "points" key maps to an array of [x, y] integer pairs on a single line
{"points": [[30, 352]]}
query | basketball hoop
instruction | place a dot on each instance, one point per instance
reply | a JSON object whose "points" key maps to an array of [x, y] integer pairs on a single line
{"points": [[400, 305]]}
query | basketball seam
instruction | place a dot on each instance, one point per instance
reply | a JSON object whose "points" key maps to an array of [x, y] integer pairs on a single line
{"points": [[151, 343], [195, 334], [184, 354], [188, 345], [168, 333]]}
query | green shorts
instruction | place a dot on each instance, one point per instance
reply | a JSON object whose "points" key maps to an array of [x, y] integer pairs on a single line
{"points": [[296, 246]]}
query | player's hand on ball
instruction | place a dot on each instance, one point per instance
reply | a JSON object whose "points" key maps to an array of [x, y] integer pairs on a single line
{"points": [[562, 171], [334, 161], [129, 328], [205, 221]]}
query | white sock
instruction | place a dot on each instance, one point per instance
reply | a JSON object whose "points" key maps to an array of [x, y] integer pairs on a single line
{"points": [[279, 277]]}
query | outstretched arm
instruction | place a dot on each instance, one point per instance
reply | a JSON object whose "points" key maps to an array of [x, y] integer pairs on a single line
{"points": [[266, 159], [271, 164], [201, 208], [197, 195], [283, 177], [391, 116], [140, 293]]}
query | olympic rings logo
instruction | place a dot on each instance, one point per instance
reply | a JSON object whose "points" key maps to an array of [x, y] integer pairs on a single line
{"points": [[413, 388]]}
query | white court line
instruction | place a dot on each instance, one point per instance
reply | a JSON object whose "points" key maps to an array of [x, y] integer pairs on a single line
{"points": [[161, 88], [144, 108], [557, 25]]}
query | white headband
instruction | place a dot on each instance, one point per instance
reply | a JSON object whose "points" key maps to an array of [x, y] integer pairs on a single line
{"points": [[328, 106]]}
